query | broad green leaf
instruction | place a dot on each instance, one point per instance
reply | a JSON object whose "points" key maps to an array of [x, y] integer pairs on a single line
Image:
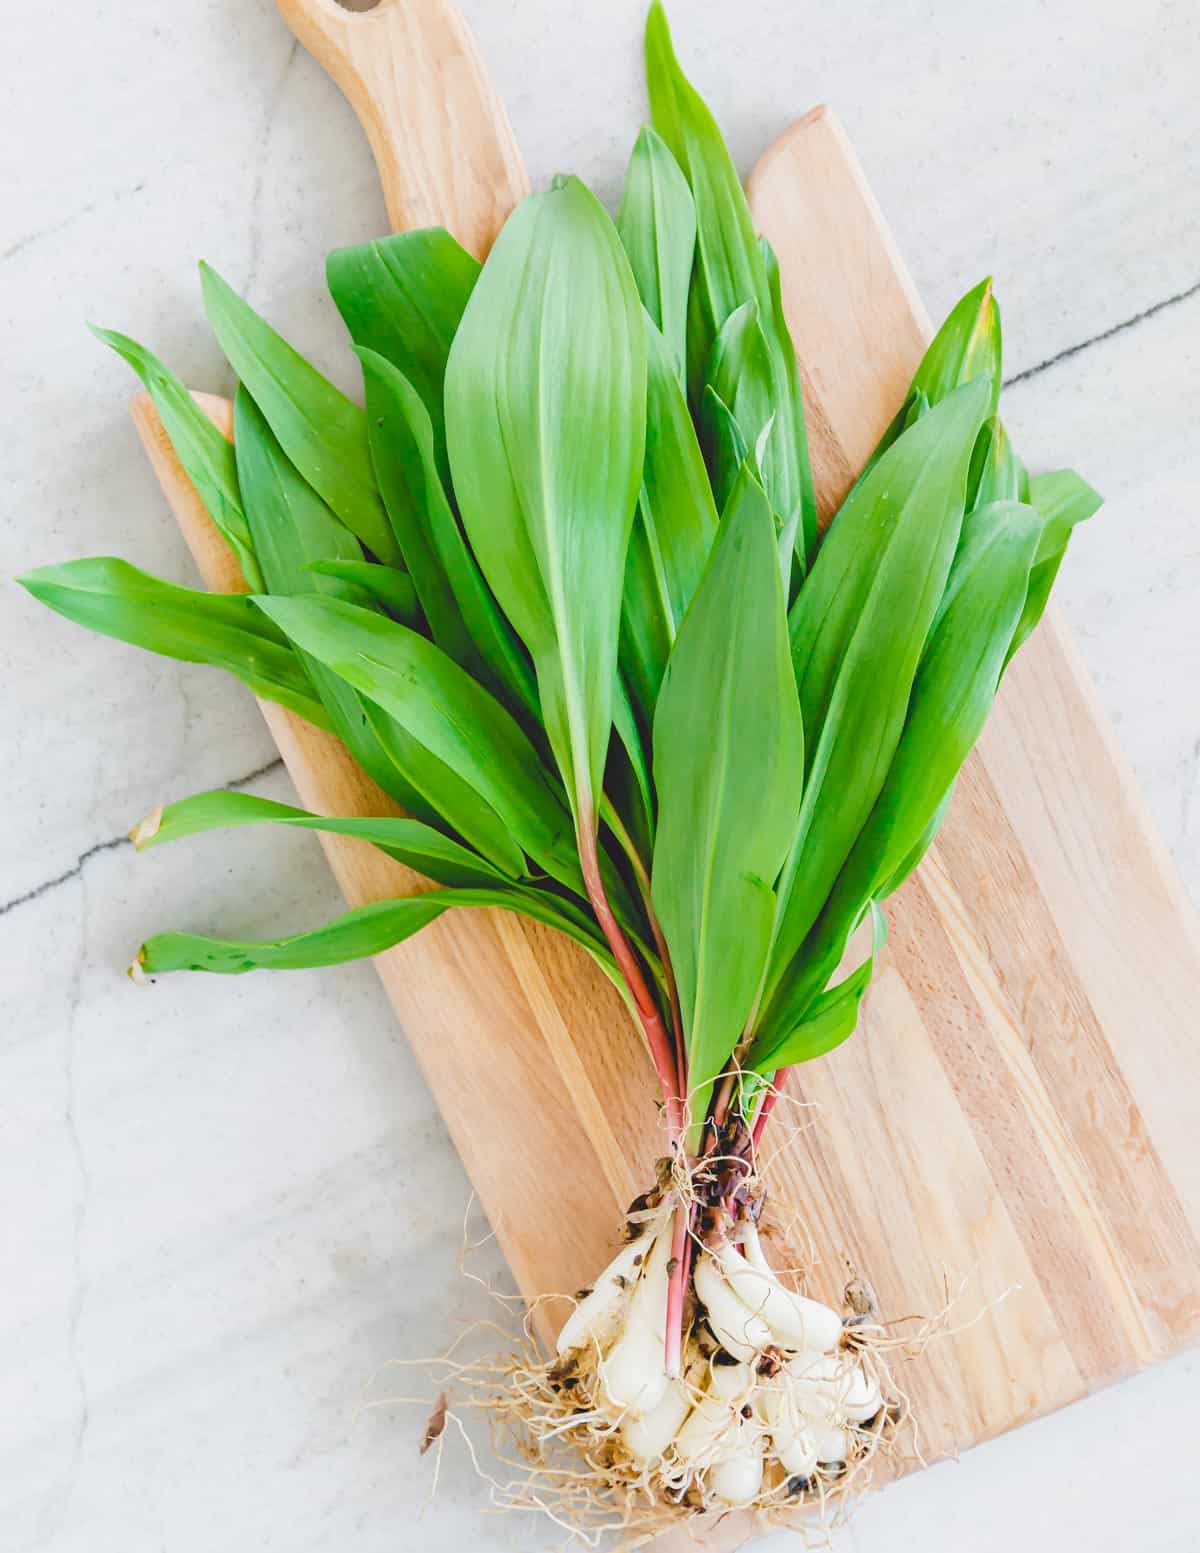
{"points": [[828, 1020], [728, 449], [996, 470], [672, 535], [779, 341], [1041, 581], [728, 768], [442, 794], [858, 629], [369, 930], [952, 696], [1063, 499], [321, 431], [206, 456], [222, 629], [386, 585], [392, 406], [403, 297], [410, 842], [918, 405], [639, 793], [290, 525], [292, 528], [785, 546], [545, 422], [966, 347], [464, 618], [912, 860], [731, 267], [740, 377], [451, 715], [657, 225]]}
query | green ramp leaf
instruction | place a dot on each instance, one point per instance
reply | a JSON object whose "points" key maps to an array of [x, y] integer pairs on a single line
{"points": [[952, 695], [403, 297], [207, 457], [739, 383], [418, 846], [321, 431], [997, 474], [826, 1021], [292, 529], [727, 799], [672, 535], [387, 586], [1063, 499], [855, 650], [732, 268], [464, 619], [912, 859], [545, 421], [446, 711], [368, 930], [657, 225], [968, 345], [222, 629]]}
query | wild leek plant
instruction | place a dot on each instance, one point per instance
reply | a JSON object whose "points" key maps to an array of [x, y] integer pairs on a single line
{"points": [[561, 590]]}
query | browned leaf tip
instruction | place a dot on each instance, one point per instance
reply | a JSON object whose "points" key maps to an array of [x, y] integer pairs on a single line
{"points": [[435, 1425]]}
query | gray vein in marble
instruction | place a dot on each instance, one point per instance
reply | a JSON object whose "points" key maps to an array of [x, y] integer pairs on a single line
{"points": [[260, 166], [1105, 334], [76, 869], [116, 197]]}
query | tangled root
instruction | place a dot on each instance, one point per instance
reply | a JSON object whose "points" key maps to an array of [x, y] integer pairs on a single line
{"points": [[557, 1450], [560, 1446], [571, 1437]]}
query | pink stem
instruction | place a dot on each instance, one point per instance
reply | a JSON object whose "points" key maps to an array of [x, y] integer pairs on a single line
{"points": [[613, 821], [662, 1049], [769, 1102], [681, 1261]]}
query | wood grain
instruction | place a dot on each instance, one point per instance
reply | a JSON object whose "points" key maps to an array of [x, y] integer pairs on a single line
{"points": [[1013, 1125], [1044, 964]]}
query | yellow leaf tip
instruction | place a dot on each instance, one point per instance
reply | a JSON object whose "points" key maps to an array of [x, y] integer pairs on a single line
{"points": [[144, 832], [137, 971]]}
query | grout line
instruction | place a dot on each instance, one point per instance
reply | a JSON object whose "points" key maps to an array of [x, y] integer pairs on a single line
{"points": [[1105, 334], [85, 858]]}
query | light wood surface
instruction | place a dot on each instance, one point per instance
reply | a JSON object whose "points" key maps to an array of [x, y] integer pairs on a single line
{"points": [[441, 139], [1015, 1122], [1016, 1115]]}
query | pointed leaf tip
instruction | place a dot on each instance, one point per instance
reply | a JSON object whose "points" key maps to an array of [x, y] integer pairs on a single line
{"points": [[144, 832]]}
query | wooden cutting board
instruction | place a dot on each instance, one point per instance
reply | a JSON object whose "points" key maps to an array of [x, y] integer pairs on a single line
{"points": [[1015, 1122]]}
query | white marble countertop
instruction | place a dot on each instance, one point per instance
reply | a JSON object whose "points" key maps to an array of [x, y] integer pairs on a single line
{"points": [[223, 1205]]}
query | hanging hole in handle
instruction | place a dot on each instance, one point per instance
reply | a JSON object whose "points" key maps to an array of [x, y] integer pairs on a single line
{"points": [[357, 5]]}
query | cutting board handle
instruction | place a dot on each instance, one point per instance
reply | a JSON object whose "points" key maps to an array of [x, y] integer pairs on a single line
{"points": [[441, 138]]}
